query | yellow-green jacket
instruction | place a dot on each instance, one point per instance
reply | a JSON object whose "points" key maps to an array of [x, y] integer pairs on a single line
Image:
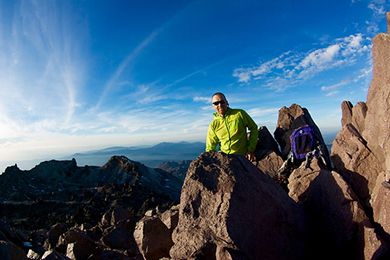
{"points": [[231, 134]]}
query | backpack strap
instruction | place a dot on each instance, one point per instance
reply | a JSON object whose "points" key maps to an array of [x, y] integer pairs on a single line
{"points": [[316, 152], [290, 157]]}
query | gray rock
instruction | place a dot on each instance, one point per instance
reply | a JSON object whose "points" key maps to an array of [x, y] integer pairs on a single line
{"points": [[228, 211]]}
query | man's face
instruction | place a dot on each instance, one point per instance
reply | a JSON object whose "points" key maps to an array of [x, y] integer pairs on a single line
{"points": [[220, 104]]}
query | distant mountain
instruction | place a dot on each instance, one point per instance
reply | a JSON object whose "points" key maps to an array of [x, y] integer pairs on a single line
{"points": [[177, 169], [149, 156]]}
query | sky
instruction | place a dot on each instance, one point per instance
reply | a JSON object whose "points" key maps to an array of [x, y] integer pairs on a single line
{"points": [[85, 75]]}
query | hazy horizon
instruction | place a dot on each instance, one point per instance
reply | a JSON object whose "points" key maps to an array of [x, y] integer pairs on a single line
{"points": [[29, 164]]}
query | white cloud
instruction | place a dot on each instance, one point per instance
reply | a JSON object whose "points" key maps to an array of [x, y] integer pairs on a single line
{"points": [[320, 58], [203, 99], [378, 7], [332, 93], [335, 86], [257, 112], [291, 68], [41, 68]]}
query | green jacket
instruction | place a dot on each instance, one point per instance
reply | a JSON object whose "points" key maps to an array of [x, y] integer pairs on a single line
{"points": [[231, 134]]}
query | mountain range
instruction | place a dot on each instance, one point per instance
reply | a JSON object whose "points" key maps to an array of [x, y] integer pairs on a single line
{"points": [[149, 156]]}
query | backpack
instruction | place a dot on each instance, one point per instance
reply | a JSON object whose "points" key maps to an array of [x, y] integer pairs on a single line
{"points": [[304, 146], [303, 142]]}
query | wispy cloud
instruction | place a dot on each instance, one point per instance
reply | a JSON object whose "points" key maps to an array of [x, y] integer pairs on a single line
{"points": [[41, 66], [259, 112], [378, 7], [126, 64], [291, 68], [202, 99], [335, 86]]}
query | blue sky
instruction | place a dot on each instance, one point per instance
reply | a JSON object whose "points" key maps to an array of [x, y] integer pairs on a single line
{"points": [[84, 75]]}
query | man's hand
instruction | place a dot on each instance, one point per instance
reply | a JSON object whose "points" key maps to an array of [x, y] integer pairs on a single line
{"points": [[250, 156]]}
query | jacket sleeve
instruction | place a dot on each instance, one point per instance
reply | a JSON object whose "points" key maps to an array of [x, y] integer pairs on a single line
{"points": [[254, 133], [212, 140]]}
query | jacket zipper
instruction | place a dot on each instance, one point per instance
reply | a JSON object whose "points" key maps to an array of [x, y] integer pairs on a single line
{"points": [[230, 140]]}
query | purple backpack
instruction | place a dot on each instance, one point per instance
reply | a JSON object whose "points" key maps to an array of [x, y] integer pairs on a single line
{"points": [[303, 142]]}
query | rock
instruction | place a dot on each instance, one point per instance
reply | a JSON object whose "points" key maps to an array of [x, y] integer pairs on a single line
{"points": [[9, 251], [354, 161], [301, 178], [268, 156], [359, 112], [170, 217], [377, 123], [39, 241], [54, 234], [381, 209], [118, 238], [112, 254], [116, 215], [72, 236], [270, 164], [53, 255], [265, 142], [225, 213], [32, 255], [78, 251], [153, 238], [354, 115], [374, 247], [334, 216], [346, 110]]}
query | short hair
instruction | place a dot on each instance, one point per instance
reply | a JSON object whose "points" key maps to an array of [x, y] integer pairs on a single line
{"points": [[219, 93]]}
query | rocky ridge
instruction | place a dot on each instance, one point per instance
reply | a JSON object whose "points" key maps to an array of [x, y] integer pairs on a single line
{"points": [[230, 208]]}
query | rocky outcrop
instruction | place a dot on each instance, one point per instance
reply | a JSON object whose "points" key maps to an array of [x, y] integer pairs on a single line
{"points": [[361, 150], [225, 212], [61, 192]]}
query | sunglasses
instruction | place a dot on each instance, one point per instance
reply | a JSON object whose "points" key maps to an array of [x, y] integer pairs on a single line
{"points": [[219, 102]]}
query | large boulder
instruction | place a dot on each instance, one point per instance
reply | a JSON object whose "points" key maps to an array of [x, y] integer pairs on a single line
{"points": [[268, 156], [153, 238], [334, 218], [377, 123], [300, 179], [354, 161], [229, 209]]}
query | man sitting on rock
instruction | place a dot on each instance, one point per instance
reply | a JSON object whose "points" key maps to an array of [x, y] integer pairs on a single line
{"points": [[229, 130]]}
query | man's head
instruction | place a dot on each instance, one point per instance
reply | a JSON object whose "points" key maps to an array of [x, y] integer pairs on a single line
{"points": [[220, 104]]}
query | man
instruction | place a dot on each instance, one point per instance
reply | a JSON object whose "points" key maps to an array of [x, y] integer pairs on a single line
{"points": [[229, 130]]}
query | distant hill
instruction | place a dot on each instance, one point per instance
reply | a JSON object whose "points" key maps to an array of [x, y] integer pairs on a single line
{"points": [[177, 169], [149, 156]]}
